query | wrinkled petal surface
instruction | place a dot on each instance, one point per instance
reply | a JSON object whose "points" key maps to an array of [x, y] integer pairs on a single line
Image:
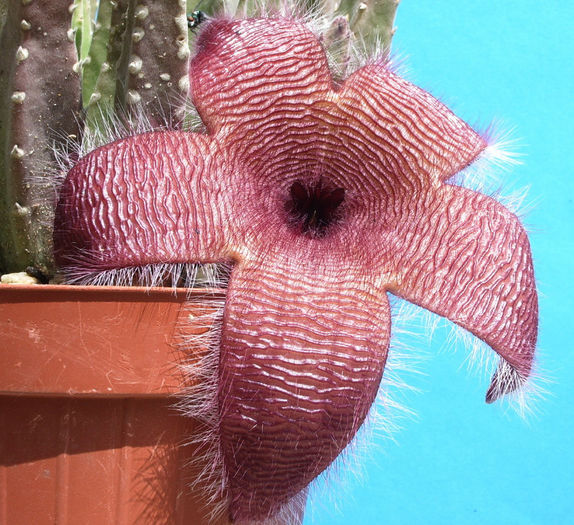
{"points": [[421, 138], [301, 362], [245, 68], [156, 197], [467, 258]]}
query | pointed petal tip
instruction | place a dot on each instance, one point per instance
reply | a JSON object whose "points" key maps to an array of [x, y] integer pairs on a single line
{"points": [[491, 394], [506, 380]]}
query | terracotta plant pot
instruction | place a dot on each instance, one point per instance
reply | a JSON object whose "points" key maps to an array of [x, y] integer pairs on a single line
{"points": [[88, 429]]}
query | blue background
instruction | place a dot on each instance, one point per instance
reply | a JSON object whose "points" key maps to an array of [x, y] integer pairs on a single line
{"points": [[459, 460]]}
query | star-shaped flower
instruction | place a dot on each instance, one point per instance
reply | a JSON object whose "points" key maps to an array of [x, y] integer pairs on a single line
{"points": [[323, 197]]}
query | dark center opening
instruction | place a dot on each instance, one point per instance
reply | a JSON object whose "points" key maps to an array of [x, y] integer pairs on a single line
{"points": [[314, 206]]}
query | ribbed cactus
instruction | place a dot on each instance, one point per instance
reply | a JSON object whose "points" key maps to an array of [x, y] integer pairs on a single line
{"points": [[70, 66], [39, 101]]}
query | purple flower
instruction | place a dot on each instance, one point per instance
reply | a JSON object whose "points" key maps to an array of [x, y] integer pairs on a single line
{"points": [[324, 197]]}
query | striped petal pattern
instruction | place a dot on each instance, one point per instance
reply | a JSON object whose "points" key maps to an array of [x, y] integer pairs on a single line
{"points": [[154, 197], [301, 362], [478, 274], [244, 67]]}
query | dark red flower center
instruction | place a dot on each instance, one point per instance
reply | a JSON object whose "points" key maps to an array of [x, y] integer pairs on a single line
{"points": [[313, 207]]}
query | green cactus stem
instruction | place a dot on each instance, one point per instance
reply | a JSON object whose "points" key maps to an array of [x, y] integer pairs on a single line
{"points": [[138, 57], [372, 20], [39, 100], [158, 71], [337, 42], [92, 43]]}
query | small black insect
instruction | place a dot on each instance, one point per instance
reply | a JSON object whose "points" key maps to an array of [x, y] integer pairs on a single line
{"points": [[195, 18]]}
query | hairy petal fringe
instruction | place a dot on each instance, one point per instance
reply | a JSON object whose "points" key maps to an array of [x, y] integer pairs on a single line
{"points": [[178, 275]]}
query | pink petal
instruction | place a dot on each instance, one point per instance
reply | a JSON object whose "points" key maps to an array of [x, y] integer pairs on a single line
{"points": [[417, 136], [244, 67], [466, 257], [151, 198], [302, 354]]}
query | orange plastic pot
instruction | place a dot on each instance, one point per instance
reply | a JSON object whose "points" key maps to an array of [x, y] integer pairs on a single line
{"points": [[88, 429]]}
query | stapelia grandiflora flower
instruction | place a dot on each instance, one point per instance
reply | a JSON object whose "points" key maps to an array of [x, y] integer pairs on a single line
{"points": [[323, 196]]}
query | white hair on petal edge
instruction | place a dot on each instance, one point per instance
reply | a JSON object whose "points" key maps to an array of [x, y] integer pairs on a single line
{"points": [[524, 400], [272, 8], [174, 275], [200, 334], [176, 112], [495, 161], [386, 415], [318, 17], [489, 173], [179, 275], [482, 360]]}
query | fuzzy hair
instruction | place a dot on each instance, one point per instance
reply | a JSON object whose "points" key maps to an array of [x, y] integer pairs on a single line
{"points": [[386, 417], [174, 275], [200, 402], [526, 394]]}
